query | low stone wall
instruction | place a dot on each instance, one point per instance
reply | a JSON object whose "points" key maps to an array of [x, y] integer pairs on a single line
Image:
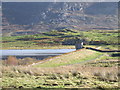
{"points": [[102, 50]]}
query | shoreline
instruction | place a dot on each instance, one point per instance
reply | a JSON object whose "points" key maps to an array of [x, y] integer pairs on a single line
{"points": [[44, 47]]}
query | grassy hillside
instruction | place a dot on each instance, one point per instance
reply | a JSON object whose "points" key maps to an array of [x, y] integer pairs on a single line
{"points": [[79, 69], [70, 58], [82, 57], [65, 71], [64, 38]]}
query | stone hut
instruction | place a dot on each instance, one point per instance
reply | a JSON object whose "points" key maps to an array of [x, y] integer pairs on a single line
{"points": [[78, 43]]}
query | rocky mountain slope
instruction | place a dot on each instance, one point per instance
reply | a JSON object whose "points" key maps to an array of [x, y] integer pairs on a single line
{"points": [[45, 16]]}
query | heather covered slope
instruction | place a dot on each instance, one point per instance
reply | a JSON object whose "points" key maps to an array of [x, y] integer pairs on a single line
{"points": [[46, 16]]}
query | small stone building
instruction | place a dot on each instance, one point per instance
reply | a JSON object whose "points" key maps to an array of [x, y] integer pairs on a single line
{"points": [[78, 44]]}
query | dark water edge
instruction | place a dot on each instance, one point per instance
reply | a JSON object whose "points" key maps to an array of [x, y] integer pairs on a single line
{"points": [[34, 57]]}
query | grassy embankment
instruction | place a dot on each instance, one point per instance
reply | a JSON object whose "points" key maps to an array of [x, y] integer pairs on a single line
{"points": [[65, 71], [62, 39], [70, 58]]}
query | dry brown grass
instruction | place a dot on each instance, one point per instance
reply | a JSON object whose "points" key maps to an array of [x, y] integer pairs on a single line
{"points": [[65, 76], [12, 61], [102, 73], [1, 71]]}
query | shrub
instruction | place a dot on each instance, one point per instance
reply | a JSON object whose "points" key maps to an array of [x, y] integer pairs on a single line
{"points": [[12, 61], [27, 61]]}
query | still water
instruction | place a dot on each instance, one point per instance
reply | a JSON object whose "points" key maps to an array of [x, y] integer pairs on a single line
{"points": [[38, 54]]}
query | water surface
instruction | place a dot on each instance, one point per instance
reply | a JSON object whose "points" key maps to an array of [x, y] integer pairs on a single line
{"points": [[34, 53]]}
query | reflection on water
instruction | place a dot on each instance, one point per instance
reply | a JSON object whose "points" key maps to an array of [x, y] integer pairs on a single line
{"points": [[37, 54]]}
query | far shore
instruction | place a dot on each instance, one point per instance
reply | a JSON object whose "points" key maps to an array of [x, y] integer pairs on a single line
{"points": [[101, 47], [41, 47]]}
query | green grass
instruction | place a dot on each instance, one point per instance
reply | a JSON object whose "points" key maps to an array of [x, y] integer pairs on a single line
{"points": [[107, 60], [55, 38], [41, 47], [70, 58], [71, 70]]}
